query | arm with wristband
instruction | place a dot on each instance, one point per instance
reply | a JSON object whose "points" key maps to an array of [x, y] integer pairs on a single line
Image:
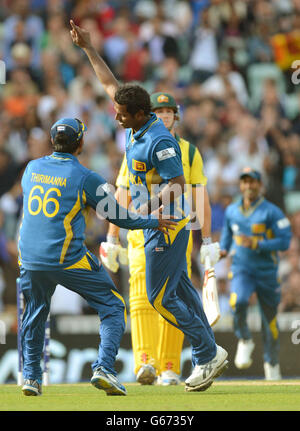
{"points": [[105, 204]]}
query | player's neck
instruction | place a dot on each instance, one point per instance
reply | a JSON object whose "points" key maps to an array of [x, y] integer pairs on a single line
{"points": [[141, 123], [247, 203]]}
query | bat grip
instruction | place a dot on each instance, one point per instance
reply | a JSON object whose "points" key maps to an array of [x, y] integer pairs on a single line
{"points": [[207, 264]]}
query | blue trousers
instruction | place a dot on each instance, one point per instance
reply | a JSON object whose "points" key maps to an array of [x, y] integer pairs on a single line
{"points": [[172, 294], [96, 287], [267, 289]]}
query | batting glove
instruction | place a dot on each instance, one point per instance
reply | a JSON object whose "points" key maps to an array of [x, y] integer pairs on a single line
{"points": [[212, 250], [108, 254], [123, 256]]}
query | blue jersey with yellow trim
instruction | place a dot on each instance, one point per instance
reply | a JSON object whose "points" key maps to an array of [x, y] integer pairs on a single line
{"points": [[57, 192], [153, 158], [267, 224]]}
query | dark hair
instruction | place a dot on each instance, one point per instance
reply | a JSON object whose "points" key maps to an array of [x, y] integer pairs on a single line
{"points": [[62, 144], [134, 97]]}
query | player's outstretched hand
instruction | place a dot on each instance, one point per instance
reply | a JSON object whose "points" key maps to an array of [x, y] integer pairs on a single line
{"points": [[164, 224], [80, 37]]}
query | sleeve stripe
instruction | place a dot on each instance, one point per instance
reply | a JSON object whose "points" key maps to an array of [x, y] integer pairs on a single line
{"points": [[192, 150]]}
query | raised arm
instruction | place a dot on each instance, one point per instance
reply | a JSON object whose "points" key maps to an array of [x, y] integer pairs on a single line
{"points": [[82, 39]]}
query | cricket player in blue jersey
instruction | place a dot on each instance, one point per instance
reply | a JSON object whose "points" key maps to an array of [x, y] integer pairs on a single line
{"points": [[57, 193], [254, 231], [156, 175]]}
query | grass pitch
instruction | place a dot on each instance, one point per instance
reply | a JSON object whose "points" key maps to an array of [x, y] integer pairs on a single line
{"points": [[221, 396]]}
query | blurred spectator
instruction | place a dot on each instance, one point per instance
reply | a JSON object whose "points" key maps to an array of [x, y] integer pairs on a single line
{"points": [[56, 39], [116, 45], [9, 170], [246, 146], [259, 48], [225, 83], [290, 300], [204, 54], [25, 28], [222, 173]]}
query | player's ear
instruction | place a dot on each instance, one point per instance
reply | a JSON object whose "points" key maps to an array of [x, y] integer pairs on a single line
{"points": [[140, 114], [81, 143]]}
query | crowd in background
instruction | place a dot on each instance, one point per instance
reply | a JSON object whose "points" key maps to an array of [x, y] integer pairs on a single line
{"points": [[231, 66]]}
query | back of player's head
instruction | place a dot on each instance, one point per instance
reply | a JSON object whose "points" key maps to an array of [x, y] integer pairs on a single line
{"points": [[66, 135], [135, 98]]}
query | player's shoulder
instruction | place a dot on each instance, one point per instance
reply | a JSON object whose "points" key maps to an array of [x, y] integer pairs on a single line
{"points": [[32, 164], [272, 209], [233, 207], [270, 206]]}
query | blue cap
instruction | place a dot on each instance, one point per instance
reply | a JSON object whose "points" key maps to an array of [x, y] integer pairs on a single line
{"points": [[249, 172], [72, 127]]}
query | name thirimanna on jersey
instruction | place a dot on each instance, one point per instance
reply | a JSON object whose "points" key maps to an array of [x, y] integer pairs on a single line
{"points": [[57, 193]]}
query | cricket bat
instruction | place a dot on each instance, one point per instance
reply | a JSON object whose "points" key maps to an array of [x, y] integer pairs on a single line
{"points": [[210, 294]]}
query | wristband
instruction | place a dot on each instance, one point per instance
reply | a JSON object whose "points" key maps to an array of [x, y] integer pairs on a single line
{"points": [[206, 240], [112, 239]]}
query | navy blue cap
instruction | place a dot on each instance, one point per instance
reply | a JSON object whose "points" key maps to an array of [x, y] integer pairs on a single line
{"points": [[72, 127], [249, 172]]}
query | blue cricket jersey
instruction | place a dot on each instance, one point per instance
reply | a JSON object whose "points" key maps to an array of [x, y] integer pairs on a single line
{"points": [[57, 192], [153, 158], [267, 224]]}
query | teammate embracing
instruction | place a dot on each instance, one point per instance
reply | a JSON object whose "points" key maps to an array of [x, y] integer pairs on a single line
{"points": [[153, 159]]}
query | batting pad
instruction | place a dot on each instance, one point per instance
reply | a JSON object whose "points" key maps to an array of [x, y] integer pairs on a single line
{"points": [[169, 346], [144, 324]]}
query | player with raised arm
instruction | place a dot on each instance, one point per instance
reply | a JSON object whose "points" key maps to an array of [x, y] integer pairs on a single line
{"points": [[156, 344], [154, 163], [57, 192], [254, 231]]}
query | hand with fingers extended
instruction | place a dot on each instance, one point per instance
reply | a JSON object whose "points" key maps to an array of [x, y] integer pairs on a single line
{"points": [[80, 37], [166, 222]]}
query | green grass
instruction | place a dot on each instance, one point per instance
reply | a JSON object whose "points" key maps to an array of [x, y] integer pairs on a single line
{"points": [[222, 396]]}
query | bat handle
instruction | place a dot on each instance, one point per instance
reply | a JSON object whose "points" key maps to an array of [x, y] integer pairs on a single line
{"points": [[207, 263]]}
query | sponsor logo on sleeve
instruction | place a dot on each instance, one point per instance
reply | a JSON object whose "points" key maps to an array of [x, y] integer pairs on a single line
{"points": [[283, 223], [167, 153], [235, 227]]}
